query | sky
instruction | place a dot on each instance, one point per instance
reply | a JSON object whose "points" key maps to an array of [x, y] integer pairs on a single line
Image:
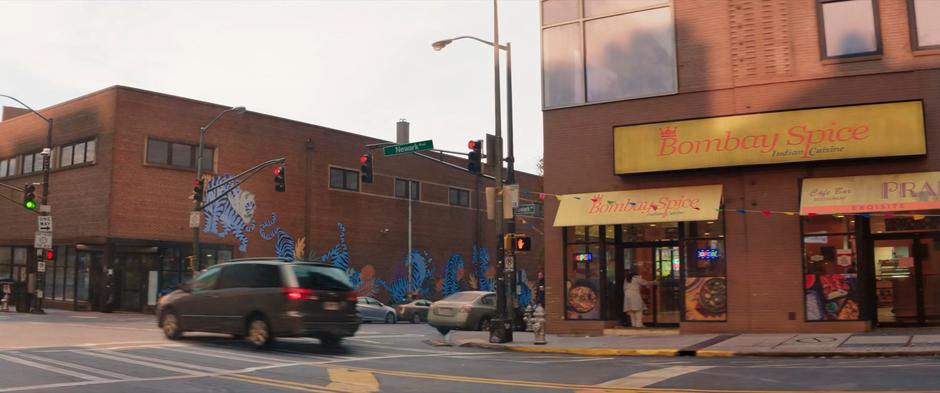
{"points": [[357, 66]]}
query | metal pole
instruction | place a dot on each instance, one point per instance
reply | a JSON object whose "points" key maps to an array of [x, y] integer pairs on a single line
{"points": [[511, 158], [44, 199], [197, 203], [499, 332], [410, 267]]}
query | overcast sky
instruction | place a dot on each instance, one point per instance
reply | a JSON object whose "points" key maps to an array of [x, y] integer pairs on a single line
{"points": [[357, 66]]}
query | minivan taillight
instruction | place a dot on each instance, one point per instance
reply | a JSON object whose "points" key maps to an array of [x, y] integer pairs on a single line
{"points": [[299, 293], [352, 296]]}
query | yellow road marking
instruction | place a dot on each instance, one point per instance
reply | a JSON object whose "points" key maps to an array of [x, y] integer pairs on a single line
{"points": [[352, 380]]}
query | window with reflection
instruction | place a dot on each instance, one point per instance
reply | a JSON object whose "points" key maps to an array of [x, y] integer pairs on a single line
{"points": [[848, 28], [830, 268], [585, 262], [706, 276]]}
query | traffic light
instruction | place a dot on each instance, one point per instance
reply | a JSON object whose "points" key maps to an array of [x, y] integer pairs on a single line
{"points": [[521, 243], [279, 174], [49, 255], [198, 189], [366, 168], [29, 197], [474, 156]]}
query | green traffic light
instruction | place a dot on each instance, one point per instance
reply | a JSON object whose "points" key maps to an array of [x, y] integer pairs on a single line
{"points": [[30, 204]]}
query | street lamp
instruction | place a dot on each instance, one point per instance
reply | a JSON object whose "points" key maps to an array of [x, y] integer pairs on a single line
{"points": [[197, 202], [498, 333], [44, 198]]}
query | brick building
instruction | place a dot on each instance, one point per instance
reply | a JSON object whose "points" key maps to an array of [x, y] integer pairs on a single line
{"points": [[771, 164], [122, 182]]}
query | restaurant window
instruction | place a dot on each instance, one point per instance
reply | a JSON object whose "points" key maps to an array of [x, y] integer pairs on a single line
{"points": [[925, 31], [77, 153], [459, 197], [624, 49], [913, 221], [402, 189], [584, 262], [6, 262], [653, 232], [8, 167], [344, 179], [706, 274], [848, 28], [830, 268], [19, 264], [178, 155]]}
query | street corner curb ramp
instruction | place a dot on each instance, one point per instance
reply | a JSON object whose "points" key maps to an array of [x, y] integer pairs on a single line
{"points": [[690, 351]]}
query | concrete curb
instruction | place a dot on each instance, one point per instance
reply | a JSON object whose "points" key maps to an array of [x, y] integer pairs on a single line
{"points": [[698, 353]]}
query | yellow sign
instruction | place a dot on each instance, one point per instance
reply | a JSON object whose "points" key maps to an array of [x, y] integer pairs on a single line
{"points": [[697, 203], [876, 130], [860, 194]]}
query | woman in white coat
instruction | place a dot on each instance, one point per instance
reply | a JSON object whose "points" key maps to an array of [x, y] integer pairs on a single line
{"points": [[633, 304]]}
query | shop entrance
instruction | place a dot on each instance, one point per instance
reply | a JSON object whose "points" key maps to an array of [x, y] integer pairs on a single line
{"points": [[907, 279], [656, 262]]}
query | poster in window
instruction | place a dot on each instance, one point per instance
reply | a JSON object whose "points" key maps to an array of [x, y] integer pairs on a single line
{"points": [[583, 300], [706, 299], [832, 297]]}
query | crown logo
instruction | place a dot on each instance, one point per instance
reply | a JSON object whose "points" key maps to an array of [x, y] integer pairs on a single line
{"points": [[669, 132]]}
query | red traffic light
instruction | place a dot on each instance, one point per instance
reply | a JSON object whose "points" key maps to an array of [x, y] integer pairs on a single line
{"points": [[363, 159], [50, 255], [277, 171], [472, 145]]}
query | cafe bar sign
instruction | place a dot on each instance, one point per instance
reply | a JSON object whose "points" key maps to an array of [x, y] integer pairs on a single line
{"points": [[865, 194], [857, 131]]}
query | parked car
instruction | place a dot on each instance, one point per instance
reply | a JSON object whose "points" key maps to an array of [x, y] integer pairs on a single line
{"points": [[416, 311], [469, 310], [374, 311], [264, 298]]}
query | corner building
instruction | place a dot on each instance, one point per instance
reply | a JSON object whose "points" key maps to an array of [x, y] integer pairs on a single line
{"points": [[772, 165], [121, 187]]}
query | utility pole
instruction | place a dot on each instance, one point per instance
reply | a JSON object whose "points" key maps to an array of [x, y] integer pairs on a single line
{"points": [[499, 331]]}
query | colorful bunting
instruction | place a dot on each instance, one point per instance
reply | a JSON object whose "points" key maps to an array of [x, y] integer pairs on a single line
{"points": [[918, 217], [766, 213], [541, 196], [742, 211]]}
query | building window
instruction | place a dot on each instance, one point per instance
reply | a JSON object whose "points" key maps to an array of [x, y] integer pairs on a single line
{"points": [[583, 272], [77, 153], [830, 268], [625, 49], [925, 32], [344, 179], [13, 263], [178, 155], [705, 269], [848, 28], [32, 163], [459, 197], [401, 189], [8, 167]]}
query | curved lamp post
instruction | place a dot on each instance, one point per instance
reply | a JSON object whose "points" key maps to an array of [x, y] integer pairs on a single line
{"points": [[197, 203]]}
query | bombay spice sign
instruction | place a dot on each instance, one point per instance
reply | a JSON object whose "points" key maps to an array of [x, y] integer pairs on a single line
{"points": [[857, 131]]}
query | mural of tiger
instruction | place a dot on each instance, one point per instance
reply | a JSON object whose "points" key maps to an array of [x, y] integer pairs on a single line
{"points": [[234, 213], [284, 243]]}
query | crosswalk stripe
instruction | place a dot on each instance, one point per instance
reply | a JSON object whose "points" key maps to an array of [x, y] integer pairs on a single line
{"points": [[229, 355], [140, 363], [49, 368], [169, 362], [105, 373], [647, 378]]}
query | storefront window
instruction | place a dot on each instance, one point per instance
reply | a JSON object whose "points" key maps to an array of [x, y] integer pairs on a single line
{"points": [[583, 273], [706, 276], [70, 262], [663, 231], [907, 222], [83, 269], [830, 266], [6, 258]]}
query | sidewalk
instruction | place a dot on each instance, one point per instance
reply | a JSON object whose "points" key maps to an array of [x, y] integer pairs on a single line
{"points": [[885, 342]]}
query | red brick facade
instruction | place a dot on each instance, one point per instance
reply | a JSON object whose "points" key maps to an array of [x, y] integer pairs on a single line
{"points": [[121, 201], [738, 57]]}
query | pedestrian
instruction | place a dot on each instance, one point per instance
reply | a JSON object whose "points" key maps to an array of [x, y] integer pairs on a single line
{"points": [[633, 304], [540, 291]]}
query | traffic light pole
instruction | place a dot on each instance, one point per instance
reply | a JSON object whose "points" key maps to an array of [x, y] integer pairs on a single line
{"points": [[499, 331], [43, 211]]}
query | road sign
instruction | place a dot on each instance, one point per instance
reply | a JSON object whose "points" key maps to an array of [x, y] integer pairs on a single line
{"points": [[45, 223], [408, 148], [43, 240], [526, 210], [41, 266], [194, 219]]}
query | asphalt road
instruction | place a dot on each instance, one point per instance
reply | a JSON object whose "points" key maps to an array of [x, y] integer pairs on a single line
{"points": [[87, 352]]}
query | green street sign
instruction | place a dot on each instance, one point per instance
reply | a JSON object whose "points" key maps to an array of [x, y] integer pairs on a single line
{"points": [[526, 210], [408, 148]]}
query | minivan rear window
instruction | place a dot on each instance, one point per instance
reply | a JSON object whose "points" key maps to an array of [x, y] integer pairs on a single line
{"points": [[322, 278]]}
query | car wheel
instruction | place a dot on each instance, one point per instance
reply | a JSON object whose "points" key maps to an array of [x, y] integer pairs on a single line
{"points": [[331, 341], [390, 318], [485, 324], [259, 333], [170, 324], [416, 318]]}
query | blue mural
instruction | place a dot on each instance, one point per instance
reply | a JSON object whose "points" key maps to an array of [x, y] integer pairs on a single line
{"points": [[452, 270], [338, 256], [523, 292], [481, 268], [284, 243], [422, 273], [233, 213]]}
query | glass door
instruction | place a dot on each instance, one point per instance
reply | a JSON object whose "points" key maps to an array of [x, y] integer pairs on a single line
{"points": [[667, 290], [928, 267]]}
